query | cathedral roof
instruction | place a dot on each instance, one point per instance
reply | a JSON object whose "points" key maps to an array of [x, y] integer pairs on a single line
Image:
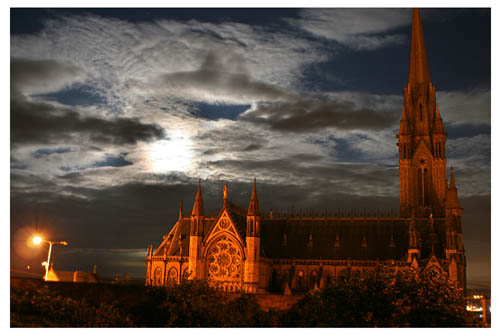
{"points": [[358, 238]]}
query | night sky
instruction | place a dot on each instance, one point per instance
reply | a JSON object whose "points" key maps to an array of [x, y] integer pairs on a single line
{"points": [[116, 113]]}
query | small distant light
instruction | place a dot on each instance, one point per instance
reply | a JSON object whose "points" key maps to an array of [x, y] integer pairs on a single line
{"points": [[37, 240], [28, 267]]}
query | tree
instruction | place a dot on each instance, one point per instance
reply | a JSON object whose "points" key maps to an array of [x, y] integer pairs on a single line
{"points": [[382, 298]]}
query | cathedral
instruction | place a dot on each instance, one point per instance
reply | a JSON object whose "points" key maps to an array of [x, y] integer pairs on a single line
{"points": [[246, 250]]}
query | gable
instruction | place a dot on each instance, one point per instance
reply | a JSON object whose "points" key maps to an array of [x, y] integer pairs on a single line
{"points": [[224, 224], [434, 264], [422, 150]]}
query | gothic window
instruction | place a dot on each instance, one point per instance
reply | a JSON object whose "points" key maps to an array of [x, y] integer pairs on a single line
{"points": [[392, 243], [313, 279], [157, 276], [283, 240], [224, 261], [364, 242], [172, 276], [310, 241], [426, 187], [420, 105], [337, 241], [420, 187], [186, 273], [300, 279]]}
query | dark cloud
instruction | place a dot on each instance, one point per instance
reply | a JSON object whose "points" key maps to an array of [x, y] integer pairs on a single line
{"points": [[466, 130], [356, 179], [224, 77], [41, 75], [310, 114], [230, 140], [44, 123]]}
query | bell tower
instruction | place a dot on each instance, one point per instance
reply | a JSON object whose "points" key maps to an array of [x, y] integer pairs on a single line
{"points": [[421, 138]]}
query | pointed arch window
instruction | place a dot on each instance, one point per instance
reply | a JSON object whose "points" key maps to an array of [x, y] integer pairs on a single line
{"points": [[420, 187], [426, 188], [420, 107]]}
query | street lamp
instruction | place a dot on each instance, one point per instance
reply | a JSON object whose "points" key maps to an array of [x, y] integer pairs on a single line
{"points": [[37, 240]]}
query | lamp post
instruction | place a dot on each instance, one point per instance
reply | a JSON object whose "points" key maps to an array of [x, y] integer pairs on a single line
{"points": [[37, 240]]}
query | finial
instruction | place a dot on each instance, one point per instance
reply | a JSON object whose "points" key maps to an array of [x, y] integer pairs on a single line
{"points": [[198, 202], [253, 207], [225, 192], [180, 210]]}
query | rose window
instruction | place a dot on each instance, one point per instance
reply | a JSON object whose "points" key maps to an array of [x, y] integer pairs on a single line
{"points": [[224, 261]]}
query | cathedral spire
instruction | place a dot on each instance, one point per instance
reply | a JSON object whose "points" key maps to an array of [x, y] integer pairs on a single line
{"points": [[253, 207], [198, 202], [419, 70]]}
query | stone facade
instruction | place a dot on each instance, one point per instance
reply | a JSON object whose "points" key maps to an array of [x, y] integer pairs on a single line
{"points": [[242, 249]]}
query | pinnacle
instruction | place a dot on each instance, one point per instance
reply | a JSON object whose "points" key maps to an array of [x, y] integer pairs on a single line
{"points": [[253, 207], [452, 201], [198, 202], [452, 179]]}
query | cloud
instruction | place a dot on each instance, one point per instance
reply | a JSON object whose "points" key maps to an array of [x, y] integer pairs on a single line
{"points": [[220, 78], [357, 179], [309, 114], [465, 107], [42, 76], [362, 29], [119, 58], [230, 139], [44, 123]]}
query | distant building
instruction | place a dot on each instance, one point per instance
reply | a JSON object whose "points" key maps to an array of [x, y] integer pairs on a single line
{"points": [[243, 249], [76, 276]]}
